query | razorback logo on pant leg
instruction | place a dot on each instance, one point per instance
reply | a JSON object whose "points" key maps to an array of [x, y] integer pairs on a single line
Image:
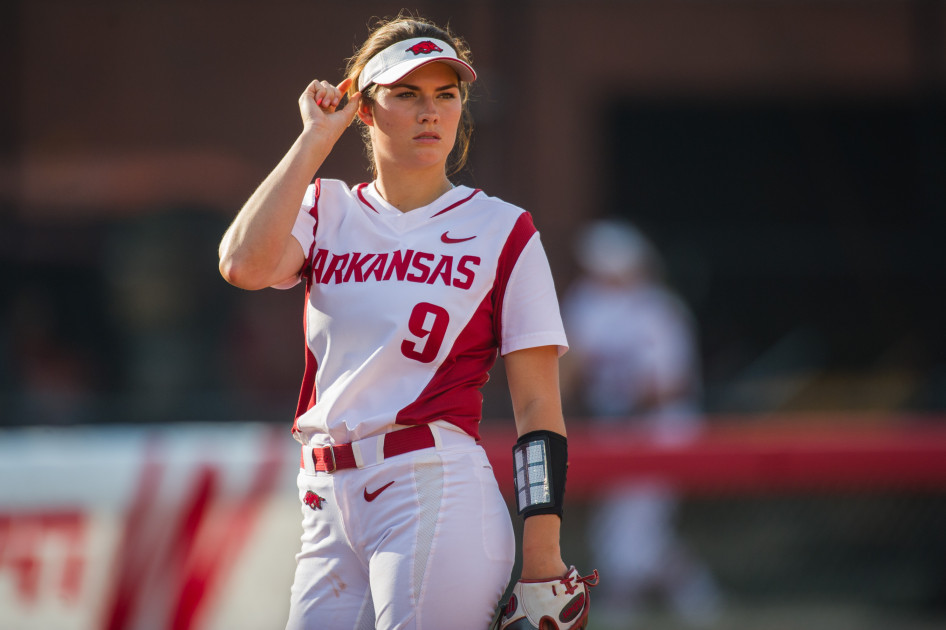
{"points": [[313, 500]]}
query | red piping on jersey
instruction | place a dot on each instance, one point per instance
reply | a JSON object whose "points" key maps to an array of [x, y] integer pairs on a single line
{"points": [[314, 213], [462, 201], [307, 393], [359, 191], [453, 393]]}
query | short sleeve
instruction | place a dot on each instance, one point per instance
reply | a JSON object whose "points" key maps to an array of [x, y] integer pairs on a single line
{"points": [[530, 309], [303, 230]]}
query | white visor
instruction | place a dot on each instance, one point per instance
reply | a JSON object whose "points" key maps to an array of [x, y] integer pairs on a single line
{"points": [[398, 60]]}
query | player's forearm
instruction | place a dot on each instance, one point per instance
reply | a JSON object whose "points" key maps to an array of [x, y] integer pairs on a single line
{"points": [[533, 385], [544, 414], [253, 246], [541, 550]]}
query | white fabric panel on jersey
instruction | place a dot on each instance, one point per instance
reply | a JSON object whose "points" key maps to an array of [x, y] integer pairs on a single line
{"points": [[401, 324]]}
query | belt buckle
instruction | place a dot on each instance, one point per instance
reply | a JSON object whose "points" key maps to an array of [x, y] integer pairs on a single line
{"points": [[331, 449]]}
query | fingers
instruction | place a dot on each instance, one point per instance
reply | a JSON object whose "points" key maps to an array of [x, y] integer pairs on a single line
{"points": [[320, 100], [351, 107], [326, 95]]}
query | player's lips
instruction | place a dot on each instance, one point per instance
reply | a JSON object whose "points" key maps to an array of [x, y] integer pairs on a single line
{"points": [[427, 136]]}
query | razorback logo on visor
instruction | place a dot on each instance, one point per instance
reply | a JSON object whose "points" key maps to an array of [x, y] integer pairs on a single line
{"points": [[424, 48]]}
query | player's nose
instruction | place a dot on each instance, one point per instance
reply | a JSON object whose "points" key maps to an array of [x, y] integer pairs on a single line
{"points": [[428, 111]]}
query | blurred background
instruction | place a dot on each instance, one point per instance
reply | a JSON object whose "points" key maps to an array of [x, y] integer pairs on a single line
{"points": [[783, 161]]}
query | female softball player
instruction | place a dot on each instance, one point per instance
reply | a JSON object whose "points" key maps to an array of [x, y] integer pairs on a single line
{"points": [[413, 285]]}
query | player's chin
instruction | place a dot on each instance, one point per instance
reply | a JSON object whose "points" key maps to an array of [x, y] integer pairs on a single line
{"points": [[425, 156]]}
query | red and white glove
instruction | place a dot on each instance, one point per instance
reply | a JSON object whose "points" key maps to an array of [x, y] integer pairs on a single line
{"points": [[556, 604]]}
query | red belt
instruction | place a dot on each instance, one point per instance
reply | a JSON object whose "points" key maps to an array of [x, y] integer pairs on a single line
{"points": [[341, 456]]}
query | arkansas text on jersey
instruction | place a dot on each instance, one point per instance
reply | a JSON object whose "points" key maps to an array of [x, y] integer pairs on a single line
{"points": [[406, 265]]}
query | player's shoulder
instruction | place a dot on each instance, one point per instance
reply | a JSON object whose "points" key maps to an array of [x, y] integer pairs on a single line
{"points": [[494, 204], [334, 187], [500, 212], [328, 195]]}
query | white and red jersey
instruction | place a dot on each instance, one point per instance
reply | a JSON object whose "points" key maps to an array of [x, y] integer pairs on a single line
{"points": [[406, 312]]}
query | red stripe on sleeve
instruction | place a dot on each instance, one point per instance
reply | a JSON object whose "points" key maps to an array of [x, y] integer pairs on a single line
{"points": [[314, 213], [520, 235]]}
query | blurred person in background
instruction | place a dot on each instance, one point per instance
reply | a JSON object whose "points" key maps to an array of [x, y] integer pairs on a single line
{"points": [[634, 369]]}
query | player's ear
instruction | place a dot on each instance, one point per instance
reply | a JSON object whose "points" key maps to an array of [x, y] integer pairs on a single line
{"points": [[365, 112]]}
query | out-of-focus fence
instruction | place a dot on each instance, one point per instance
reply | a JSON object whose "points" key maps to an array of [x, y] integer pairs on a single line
{"points": [[754, 456], [195, 526], [177, 526]]}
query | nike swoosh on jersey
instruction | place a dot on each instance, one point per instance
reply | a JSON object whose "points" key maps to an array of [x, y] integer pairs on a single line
{"points": [[447, 239], [371, 496]]}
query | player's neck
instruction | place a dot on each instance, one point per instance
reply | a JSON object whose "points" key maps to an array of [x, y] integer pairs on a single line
{"points": [[408, 193]]}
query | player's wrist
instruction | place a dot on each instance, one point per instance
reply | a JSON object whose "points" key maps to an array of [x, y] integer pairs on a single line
{"points": [[543, 567], [541, 547], [317, 134]]}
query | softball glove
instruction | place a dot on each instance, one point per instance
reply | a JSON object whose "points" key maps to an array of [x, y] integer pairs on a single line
{"points": [[556, 604]]}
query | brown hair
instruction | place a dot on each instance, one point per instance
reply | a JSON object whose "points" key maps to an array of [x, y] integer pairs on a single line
{"points": [[390, 31]]}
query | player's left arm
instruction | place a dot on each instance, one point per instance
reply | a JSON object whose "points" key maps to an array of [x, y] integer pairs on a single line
{"points": [[532, 374]]}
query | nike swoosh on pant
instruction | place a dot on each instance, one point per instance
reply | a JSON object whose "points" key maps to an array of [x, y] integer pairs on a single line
{"points": [[371, 496]]}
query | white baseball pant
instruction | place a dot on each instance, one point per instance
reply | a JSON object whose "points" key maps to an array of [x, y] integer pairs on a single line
{"points": [[420, 541]]}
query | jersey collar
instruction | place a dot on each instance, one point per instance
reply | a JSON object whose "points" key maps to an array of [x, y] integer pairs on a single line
{"points": [[369, 196]]}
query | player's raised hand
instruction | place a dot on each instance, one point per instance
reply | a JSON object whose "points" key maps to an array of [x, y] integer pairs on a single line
{"points": [[318, 106]]}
